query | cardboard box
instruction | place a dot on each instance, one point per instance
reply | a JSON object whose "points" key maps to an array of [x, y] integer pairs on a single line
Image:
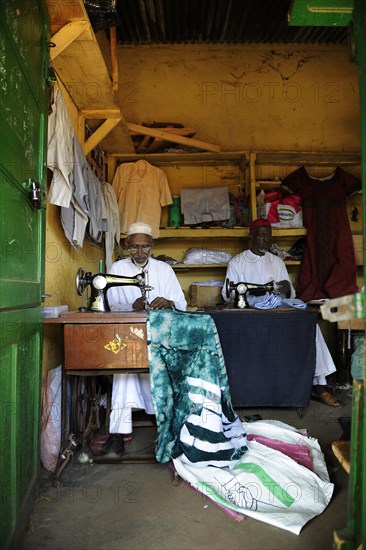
{"points": [[205, 295]]}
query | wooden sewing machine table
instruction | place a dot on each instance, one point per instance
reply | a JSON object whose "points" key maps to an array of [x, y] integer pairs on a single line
{"points": [[108, 341], [99, 344]]}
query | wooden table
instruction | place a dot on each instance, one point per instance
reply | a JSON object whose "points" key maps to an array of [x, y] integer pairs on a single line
{"points": [[108, 341], [98, 344]]}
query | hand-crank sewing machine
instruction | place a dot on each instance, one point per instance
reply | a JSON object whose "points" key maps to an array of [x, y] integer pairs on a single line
{"points": [[101, 282], [242, 289]]}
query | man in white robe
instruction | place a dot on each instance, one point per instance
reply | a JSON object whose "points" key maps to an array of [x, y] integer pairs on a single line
{"points": [[257, 265], [133, 391]]}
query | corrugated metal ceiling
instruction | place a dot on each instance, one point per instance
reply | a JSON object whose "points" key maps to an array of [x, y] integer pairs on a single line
{"points": [[215, 22]]}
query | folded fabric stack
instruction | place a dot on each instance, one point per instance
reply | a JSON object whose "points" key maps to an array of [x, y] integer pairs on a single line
{"points": [[271, 301]]}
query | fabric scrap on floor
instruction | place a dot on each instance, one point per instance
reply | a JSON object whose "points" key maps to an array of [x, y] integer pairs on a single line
{"points": [[209, 445]]}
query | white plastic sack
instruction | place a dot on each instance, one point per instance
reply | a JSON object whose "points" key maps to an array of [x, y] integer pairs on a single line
{"points": [[51, 420], [206, 256], [266, 484]]}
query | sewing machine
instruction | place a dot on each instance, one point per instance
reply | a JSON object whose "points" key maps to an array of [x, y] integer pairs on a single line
{"points": [[101, 282], [242, 289]]}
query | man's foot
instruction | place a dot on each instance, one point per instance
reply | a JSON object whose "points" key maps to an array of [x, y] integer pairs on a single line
{"points": [[327, 398], [97, 443], [127, 440], [343, 386], [113, 447]]}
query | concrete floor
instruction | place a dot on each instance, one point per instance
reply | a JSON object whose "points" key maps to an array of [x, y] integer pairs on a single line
{"points": [[136, 506]]}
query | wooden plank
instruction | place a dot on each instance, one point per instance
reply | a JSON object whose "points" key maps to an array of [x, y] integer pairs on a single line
{"points": [[65, 36], [82, 69], [143, 144], [61, 13], [309, 158], [358, 247], [186, 131], [138, 129], [341, 449], [351, 324], [112, 164], [182, 232], [100, 134], [186, 267], [157, 145], [99, 114], [114, 60], [207, 158]]}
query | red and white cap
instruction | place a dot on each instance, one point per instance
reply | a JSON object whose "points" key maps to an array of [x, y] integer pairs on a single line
{"points": [[259, 222]]}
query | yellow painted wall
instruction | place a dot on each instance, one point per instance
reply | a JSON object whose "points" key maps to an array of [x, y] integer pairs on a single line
{"points": [[273, 97]]}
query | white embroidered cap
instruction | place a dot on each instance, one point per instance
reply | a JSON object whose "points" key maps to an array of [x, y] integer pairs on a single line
{"points": [[139, 227]]}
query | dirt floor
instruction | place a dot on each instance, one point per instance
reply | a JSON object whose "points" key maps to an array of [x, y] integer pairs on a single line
{"points": [[136, 505]]}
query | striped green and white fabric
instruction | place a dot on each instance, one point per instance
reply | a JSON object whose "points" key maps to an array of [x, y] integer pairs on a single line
{"points": [[211, 448], [194, 414]]}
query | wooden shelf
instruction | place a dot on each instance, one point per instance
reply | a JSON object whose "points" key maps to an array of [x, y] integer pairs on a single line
{"points": [[288, 231], [273, 183], [218, 232], [222, 233], [186, 267], [182, 157], [307, 158]]}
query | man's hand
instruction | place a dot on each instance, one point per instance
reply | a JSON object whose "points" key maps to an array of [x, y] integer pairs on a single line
{"points": [[139, 304], [157, 303], [161, 303], [283, 288]]}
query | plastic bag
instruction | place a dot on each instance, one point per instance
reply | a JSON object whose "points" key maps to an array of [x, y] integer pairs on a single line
{"points": [[51, 420], [358, 358], [102, 14], [206, 256]]}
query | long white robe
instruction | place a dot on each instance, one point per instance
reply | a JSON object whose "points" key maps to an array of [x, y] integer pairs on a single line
{"points": [[133, 391]]}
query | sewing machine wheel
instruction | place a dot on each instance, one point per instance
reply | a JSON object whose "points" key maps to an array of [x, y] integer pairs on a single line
{"points": [[228, 288], [85, 394], [80, 281]]}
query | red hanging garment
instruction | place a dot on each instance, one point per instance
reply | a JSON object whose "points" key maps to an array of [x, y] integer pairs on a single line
{"points": [[328, 267]]}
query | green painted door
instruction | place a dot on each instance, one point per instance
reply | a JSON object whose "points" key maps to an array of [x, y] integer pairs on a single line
{"points": [[23, 115]]}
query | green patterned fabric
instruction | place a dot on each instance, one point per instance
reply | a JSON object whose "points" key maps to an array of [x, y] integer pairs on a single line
{"points": [[190, 390]]}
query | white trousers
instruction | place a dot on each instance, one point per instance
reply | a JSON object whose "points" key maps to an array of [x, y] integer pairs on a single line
{"points": [[324, 365], [129, 392]]}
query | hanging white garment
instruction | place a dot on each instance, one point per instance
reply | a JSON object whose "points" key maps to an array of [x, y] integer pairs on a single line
{"points": [[60, 156]]}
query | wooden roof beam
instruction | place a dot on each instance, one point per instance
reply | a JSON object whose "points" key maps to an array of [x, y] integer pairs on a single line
{"points": [[100, 134], [168, 136], [114, 60], [65, 36], [98, 114]]}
